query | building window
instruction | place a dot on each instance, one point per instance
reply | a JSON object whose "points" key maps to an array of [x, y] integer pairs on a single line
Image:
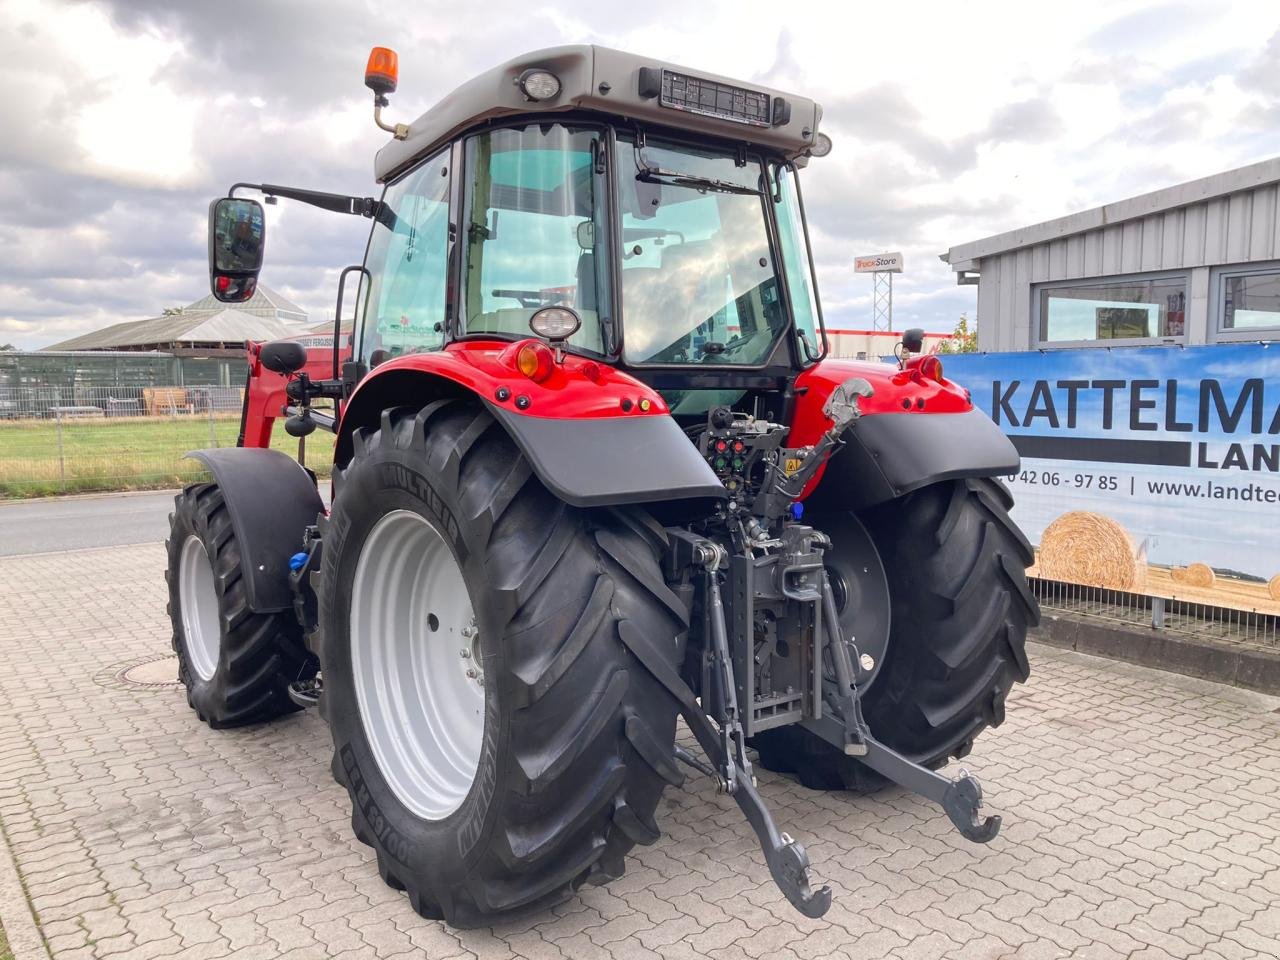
{"points": [[1129, 309], [1248, 302]]}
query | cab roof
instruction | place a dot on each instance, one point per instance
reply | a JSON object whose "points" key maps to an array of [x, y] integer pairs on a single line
{"points": [[621, 84]]}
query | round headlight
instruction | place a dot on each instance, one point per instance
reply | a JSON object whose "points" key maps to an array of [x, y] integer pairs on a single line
{"points": [[538, 84], [821, 146], [555, 323]]}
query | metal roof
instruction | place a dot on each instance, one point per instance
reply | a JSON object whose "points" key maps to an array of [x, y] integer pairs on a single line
{"points": [[265, 302], [265, 316], [966, 255]]}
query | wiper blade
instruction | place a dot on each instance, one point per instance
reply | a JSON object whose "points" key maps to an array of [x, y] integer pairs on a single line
{"points": [[658, 175]]}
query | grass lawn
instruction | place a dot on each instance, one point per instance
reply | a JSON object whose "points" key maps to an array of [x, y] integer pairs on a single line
{"points": [[5, 952], [40, 457]]}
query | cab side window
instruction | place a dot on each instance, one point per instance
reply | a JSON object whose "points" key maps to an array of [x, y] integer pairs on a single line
{"points": [[408, 261]]}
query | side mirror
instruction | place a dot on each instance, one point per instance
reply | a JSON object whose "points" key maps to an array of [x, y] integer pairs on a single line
{"points": [[237, 241], [913, 340], [283, 356]]}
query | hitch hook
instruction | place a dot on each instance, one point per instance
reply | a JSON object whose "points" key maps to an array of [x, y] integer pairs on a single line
{"points": [[962, 800]]}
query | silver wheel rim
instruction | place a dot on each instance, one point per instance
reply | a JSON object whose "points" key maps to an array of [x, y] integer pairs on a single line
{"points": [[201, 627], [415, 660]]}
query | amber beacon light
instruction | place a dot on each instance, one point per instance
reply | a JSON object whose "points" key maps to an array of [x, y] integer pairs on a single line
{"points": [[381, 74], [382, 71]]}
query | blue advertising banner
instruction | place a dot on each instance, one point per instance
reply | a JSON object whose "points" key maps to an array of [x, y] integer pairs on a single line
{"points": [[1150, 469]]}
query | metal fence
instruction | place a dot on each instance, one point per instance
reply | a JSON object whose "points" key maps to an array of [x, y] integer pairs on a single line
{"points": [[56, 440], [1181, 617], [87, 438]]}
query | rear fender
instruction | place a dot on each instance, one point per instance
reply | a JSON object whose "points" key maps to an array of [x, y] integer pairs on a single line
{"points": [[272, 500], [914, 431], [594, 435]]}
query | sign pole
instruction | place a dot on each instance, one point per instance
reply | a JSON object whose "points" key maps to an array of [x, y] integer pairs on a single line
{"points": [[882, 300], [882, 267]]}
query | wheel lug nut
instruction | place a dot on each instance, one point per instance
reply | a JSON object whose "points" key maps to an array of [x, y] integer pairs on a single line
{"points": [[464, 653], [472, 674]]}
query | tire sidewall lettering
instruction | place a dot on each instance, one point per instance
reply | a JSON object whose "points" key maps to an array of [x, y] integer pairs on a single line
{"points": [[386, 477]]}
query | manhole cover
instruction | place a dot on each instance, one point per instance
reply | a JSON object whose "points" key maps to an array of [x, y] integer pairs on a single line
{"points": [[152, 673]]}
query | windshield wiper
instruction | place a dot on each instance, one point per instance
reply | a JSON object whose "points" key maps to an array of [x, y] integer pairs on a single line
{"points": [[658, 175]]}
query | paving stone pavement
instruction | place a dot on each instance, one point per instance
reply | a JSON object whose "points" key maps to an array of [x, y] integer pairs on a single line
{"points": [[1142, 820]]}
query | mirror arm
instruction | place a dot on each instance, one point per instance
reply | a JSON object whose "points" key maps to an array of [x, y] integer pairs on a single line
{"points": [[335, 202]]}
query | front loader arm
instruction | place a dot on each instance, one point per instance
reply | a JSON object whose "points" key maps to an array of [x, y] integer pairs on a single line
{"points": [[265, 399]]}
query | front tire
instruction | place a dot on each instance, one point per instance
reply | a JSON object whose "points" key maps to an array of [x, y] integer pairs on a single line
{"points": [[235, 664], [960, 609], [561, 772]]}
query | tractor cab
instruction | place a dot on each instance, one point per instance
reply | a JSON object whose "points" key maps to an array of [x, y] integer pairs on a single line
{"points": [[661, 207]]}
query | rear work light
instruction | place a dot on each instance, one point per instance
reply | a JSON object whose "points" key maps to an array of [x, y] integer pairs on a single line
{"points": [[556, 324], [535, 361], [538, 85]]}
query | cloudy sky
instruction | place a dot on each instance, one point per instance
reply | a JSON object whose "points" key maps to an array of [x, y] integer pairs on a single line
{"points": [[121, 120]]}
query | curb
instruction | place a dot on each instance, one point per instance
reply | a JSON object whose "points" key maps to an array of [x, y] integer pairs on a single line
{"points": [[25, 939], [1208, 659], [91, 495]]}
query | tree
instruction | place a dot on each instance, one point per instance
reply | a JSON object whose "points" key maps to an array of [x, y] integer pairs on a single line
{"points": [[963, 340]]}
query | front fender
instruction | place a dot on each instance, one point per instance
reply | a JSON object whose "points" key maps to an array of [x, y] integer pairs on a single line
{"points": [[914, 431], [272, 500], [594, 435]]}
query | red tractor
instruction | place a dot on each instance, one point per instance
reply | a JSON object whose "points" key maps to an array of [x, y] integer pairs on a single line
{"points": [[595, 472]]}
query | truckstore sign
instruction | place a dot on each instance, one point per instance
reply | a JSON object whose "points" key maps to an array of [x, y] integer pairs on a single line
{"points": [[878, 263], [1154, 469]]}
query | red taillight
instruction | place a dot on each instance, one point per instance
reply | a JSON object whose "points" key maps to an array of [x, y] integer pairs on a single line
{"points": [[223, 283], [535, 360]]}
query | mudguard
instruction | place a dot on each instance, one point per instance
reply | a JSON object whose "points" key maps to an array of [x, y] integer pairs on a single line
{"points": [[592, 463], [272, 500], [888, 455], [914, 431], [594, 435]]}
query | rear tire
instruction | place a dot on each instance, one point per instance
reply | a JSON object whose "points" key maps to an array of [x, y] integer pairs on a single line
{"points": [[956, 567], [236, 665], [577, 741]]}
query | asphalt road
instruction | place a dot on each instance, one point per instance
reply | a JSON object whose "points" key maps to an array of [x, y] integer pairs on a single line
{"points": [[72, 523]]}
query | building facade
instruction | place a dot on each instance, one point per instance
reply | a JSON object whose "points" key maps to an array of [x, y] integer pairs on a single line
{"points": [[875, 344], [1198, 263]]}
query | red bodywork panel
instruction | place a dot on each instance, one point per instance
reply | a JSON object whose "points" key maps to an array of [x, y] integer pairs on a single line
{"points": [[576, 389], [897, 392], [580, 388]]}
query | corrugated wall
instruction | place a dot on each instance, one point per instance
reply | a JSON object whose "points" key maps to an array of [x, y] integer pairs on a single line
{"points": [[1239, 228]]}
